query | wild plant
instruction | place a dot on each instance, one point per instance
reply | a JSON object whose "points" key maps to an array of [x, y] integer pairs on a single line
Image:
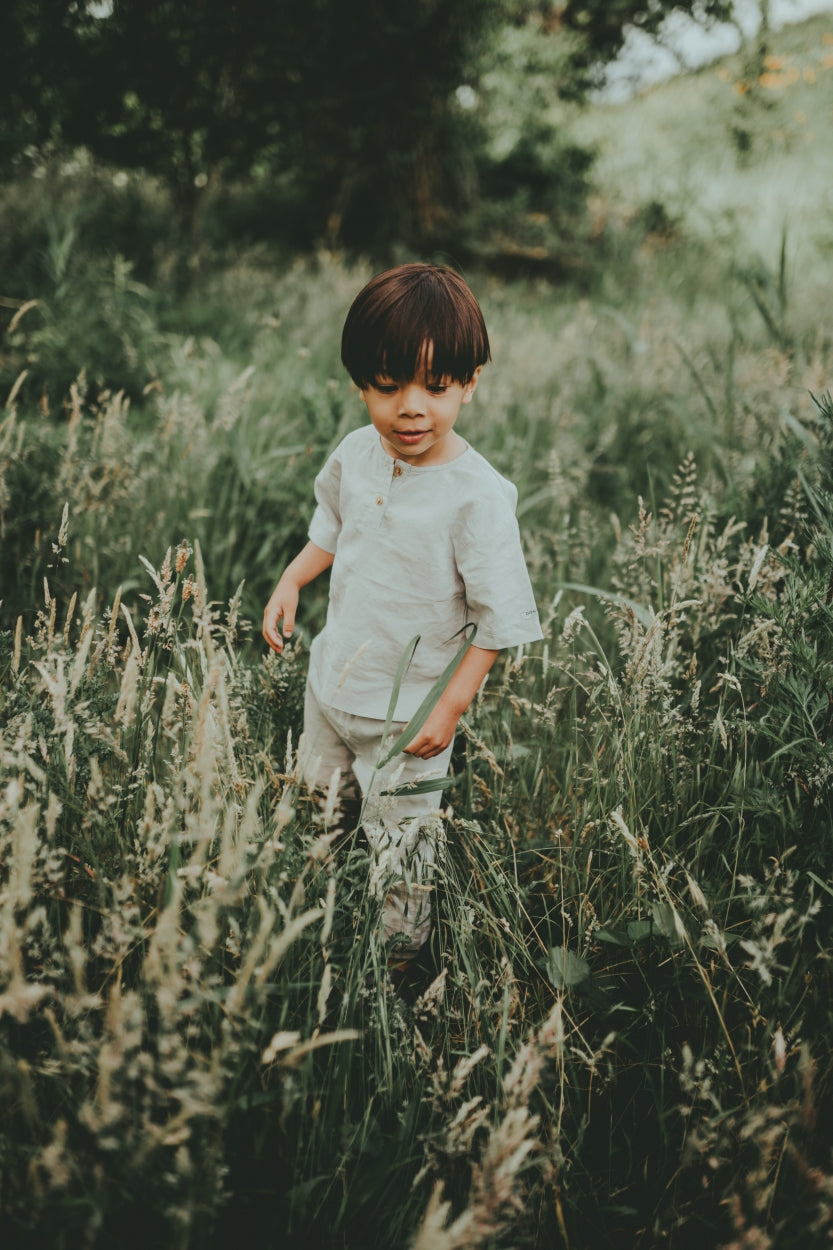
{"points": [[668, 823], [144, 912], [618, 1032]]}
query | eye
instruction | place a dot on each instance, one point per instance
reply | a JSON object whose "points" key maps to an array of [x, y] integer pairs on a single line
{"points": [[437, 388], [384, 387]]}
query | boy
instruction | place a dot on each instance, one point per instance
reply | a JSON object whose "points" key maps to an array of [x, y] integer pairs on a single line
{"points": [[421, 535]]}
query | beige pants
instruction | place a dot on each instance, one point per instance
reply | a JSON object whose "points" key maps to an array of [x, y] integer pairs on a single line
{"points": [[404, 831]]}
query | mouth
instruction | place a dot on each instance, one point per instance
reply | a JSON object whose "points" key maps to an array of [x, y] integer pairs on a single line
{"points": [[410, 436]]}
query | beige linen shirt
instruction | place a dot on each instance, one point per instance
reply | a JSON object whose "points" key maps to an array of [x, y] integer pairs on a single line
{"points": [[418, 550]]}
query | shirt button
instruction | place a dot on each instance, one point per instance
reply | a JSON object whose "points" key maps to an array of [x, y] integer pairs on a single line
{"points": [[379, 500], [397, 470]]}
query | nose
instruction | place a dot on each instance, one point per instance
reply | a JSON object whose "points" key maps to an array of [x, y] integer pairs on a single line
{"points": [[411, 400]]}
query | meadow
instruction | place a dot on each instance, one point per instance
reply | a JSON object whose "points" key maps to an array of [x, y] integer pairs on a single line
{"points": [[620, 1034]]}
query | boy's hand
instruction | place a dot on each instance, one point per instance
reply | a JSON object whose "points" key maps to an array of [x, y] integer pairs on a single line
{"points": [[435, 735], [282, 606], [438, 731]]}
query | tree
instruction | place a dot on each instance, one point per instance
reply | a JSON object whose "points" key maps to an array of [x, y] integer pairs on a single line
{"points": [[603, 24], [40, 42], [351, 106], [347, 99]]}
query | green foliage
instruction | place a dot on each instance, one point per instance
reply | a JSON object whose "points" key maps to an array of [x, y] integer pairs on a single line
{"points": [[71, 306], [528, 178], [211, 452], [187, 93], [313, 108], [619, 1033], [632, 920], [602, 26]]}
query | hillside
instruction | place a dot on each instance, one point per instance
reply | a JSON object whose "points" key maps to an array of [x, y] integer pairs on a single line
{"points": [[730, 154]]}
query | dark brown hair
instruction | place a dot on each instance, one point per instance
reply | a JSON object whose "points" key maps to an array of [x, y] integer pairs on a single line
{"points": [[408, 315]]}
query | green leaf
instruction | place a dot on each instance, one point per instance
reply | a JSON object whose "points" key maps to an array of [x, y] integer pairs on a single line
{"points": [[639, 929], [715, 942], [401, 670], [428, 704], [667, 920], [566, 968], [819, 881], [641, 613], [424, 787]]}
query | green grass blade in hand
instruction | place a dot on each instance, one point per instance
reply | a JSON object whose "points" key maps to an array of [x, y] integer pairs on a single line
{"points": [[428, 704]]}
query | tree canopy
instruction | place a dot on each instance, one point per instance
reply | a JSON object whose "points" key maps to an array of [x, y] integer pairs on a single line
{"points": [[353, 105]]}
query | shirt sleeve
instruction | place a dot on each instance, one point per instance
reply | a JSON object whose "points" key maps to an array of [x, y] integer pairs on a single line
{"points": [[325, 526], [491, 563]]}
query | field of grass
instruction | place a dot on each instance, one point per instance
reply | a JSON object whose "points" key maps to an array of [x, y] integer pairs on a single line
{"points": [[620, 1035]]}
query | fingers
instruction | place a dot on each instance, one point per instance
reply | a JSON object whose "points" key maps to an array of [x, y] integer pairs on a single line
{"points": [[435, 735], [282, 606], [288, 621], [425, 748], [271, 633], [271, 628], [416, 747]]}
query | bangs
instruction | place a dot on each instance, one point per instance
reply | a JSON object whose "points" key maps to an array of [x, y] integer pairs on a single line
{"points": [[414, 320]]}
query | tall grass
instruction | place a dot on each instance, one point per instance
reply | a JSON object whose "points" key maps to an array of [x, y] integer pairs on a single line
{"points": [[619, 1033]]}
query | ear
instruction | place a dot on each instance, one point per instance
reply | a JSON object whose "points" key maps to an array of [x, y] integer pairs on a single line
{"points": [[471, 385]]}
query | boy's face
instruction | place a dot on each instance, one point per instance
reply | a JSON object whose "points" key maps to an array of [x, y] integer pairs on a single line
{"points": [[415, 419]]}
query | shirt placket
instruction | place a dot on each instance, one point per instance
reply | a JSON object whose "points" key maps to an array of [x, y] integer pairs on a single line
{"points": [[384, 485]]}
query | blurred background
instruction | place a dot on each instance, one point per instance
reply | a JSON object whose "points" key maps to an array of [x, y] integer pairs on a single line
{"points": [[192, 193]]}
